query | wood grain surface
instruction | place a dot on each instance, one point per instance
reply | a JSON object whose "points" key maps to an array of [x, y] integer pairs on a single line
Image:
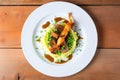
{"points": [[104, 66], [106, 18], [11, 23], [78, 2]]}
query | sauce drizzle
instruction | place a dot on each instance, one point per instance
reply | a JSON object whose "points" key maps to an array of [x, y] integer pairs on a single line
{"points": [[38, 40], [51, 59], [46, 25], [59, 19]]}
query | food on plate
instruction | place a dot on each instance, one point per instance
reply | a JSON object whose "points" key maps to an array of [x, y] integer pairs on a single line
{"points": [[59, 41]]}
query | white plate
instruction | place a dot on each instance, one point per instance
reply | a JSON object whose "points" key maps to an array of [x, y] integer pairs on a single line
{"points": [[33, 25]]}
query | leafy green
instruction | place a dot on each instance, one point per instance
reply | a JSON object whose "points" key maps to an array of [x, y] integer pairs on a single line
{"points": [[48, 38], [70, 40], [36, 36], [56, 31], [62, 47], [58, 52]]}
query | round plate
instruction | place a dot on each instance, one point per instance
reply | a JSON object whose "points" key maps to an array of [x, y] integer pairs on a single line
{"points": [[33, 25]]}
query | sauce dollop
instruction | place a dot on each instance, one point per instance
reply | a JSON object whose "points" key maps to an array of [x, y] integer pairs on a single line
{"points": [[59, 19], [46, 25], [50, 58]]}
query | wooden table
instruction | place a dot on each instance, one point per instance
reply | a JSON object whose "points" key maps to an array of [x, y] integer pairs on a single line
{"points": [[104, 66]]}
